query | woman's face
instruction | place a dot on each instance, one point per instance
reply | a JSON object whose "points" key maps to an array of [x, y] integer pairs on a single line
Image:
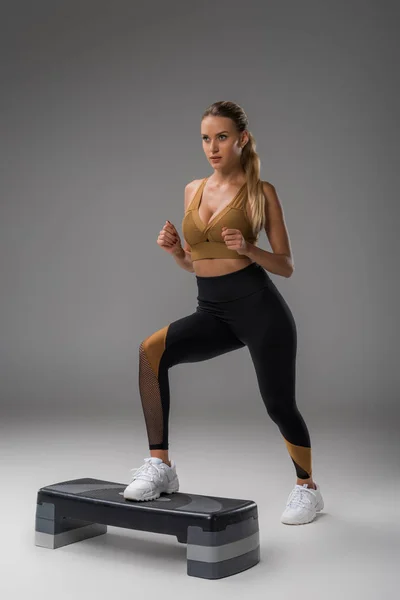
{"points": [[220, 138]]}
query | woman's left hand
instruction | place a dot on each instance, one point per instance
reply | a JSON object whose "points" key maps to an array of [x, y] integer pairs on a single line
{"points": [[234, 240]]}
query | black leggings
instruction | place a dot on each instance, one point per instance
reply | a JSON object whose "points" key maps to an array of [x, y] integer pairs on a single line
{"points": [[243, 308]]}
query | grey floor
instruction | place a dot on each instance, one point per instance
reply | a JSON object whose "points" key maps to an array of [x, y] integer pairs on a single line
{"points": [[351, 550]]}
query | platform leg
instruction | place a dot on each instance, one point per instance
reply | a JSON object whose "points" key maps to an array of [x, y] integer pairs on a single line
{"points": [[54, 531], [213, 555]]}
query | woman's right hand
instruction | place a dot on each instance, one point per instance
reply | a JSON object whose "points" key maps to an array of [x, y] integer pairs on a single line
{"points": [[169, 239]]}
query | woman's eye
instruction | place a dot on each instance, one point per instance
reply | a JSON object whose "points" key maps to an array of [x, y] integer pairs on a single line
{"points": [[222, 135]]}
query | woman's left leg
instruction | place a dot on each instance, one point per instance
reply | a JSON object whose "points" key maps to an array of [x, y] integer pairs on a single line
{"points": [[266, 325]]}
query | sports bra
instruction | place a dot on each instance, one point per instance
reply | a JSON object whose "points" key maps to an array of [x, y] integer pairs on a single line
{"points": [[206, 241]]}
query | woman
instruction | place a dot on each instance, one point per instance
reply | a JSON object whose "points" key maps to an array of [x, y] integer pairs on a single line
{"points": [[238, 305]]}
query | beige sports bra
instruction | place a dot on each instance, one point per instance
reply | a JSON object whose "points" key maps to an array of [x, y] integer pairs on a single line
{"points": [[206, 241]]}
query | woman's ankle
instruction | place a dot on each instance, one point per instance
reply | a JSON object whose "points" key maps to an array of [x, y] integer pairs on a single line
{"points": [[163, 454]]}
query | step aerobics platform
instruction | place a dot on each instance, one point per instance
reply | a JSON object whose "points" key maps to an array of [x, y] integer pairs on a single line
{"points": [[221, 534]]}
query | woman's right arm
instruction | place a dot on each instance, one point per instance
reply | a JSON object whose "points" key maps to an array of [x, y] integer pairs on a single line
{"points": [[182, 256]]}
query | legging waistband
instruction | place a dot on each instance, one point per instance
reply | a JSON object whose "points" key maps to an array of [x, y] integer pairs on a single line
{"points": [[223, 288]]}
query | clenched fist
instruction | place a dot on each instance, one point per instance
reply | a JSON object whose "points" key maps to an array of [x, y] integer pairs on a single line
{"points": [[234, 240], [169, 239]]}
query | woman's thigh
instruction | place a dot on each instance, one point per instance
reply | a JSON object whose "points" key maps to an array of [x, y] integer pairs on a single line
{"points": [[193, 338], [264, 322], [263, 319]]}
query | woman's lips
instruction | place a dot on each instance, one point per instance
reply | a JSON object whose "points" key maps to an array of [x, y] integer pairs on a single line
{"points": [[216, 158]]}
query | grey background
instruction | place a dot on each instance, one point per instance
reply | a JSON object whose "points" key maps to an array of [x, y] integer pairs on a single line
{"points": [[100, 113]]}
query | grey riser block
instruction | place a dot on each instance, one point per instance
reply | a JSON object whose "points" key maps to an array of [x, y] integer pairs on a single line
{"points": [[45, 539]]}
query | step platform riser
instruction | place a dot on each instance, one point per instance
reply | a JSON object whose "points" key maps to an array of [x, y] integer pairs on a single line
{"points": [[215, 547]]}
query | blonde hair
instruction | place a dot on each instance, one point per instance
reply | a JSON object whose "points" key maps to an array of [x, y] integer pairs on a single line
{"points": [[249, 159]]}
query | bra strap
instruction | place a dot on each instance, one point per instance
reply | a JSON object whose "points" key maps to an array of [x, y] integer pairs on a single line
{"points": [[196, 198], [239, 201]]}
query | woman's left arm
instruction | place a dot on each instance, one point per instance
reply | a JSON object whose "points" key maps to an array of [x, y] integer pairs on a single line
{"points": [[280, 261]]}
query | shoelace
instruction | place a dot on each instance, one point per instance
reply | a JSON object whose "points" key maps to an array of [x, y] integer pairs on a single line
{"points": [[298, 497], [148, 472]]}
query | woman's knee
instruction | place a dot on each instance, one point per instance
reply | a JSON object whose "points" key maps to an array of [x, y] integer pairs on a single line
{"points": [[279, 408], [153, 347]]}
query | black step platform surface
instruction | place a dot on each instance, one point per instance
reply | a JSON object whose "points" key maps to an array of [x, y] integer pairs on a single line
{"points": [[222, 534]]}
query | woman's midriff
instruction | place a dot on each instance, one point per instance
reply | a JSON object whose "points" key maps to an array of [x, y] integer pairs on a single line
{"points": [[212, 267]]}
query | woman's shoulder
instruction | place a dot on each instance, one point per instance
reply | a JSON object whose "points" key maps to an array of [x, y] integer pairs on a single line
{"points": [[267, 185], [195, 183]]}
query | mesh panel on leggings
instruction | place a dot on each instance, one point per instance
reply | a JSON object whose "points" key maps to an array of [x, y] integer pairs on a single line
{"points": [[150, 353]]}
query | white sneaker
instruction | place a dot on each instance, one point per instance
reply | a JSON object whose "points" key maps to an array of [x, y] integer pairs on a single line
{"points": [[302, 505], [152, 479]]}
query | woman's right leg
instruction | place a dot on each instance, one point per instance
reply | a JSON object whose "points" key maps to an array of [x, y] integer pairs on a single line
{"points": [[194, 338]]}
